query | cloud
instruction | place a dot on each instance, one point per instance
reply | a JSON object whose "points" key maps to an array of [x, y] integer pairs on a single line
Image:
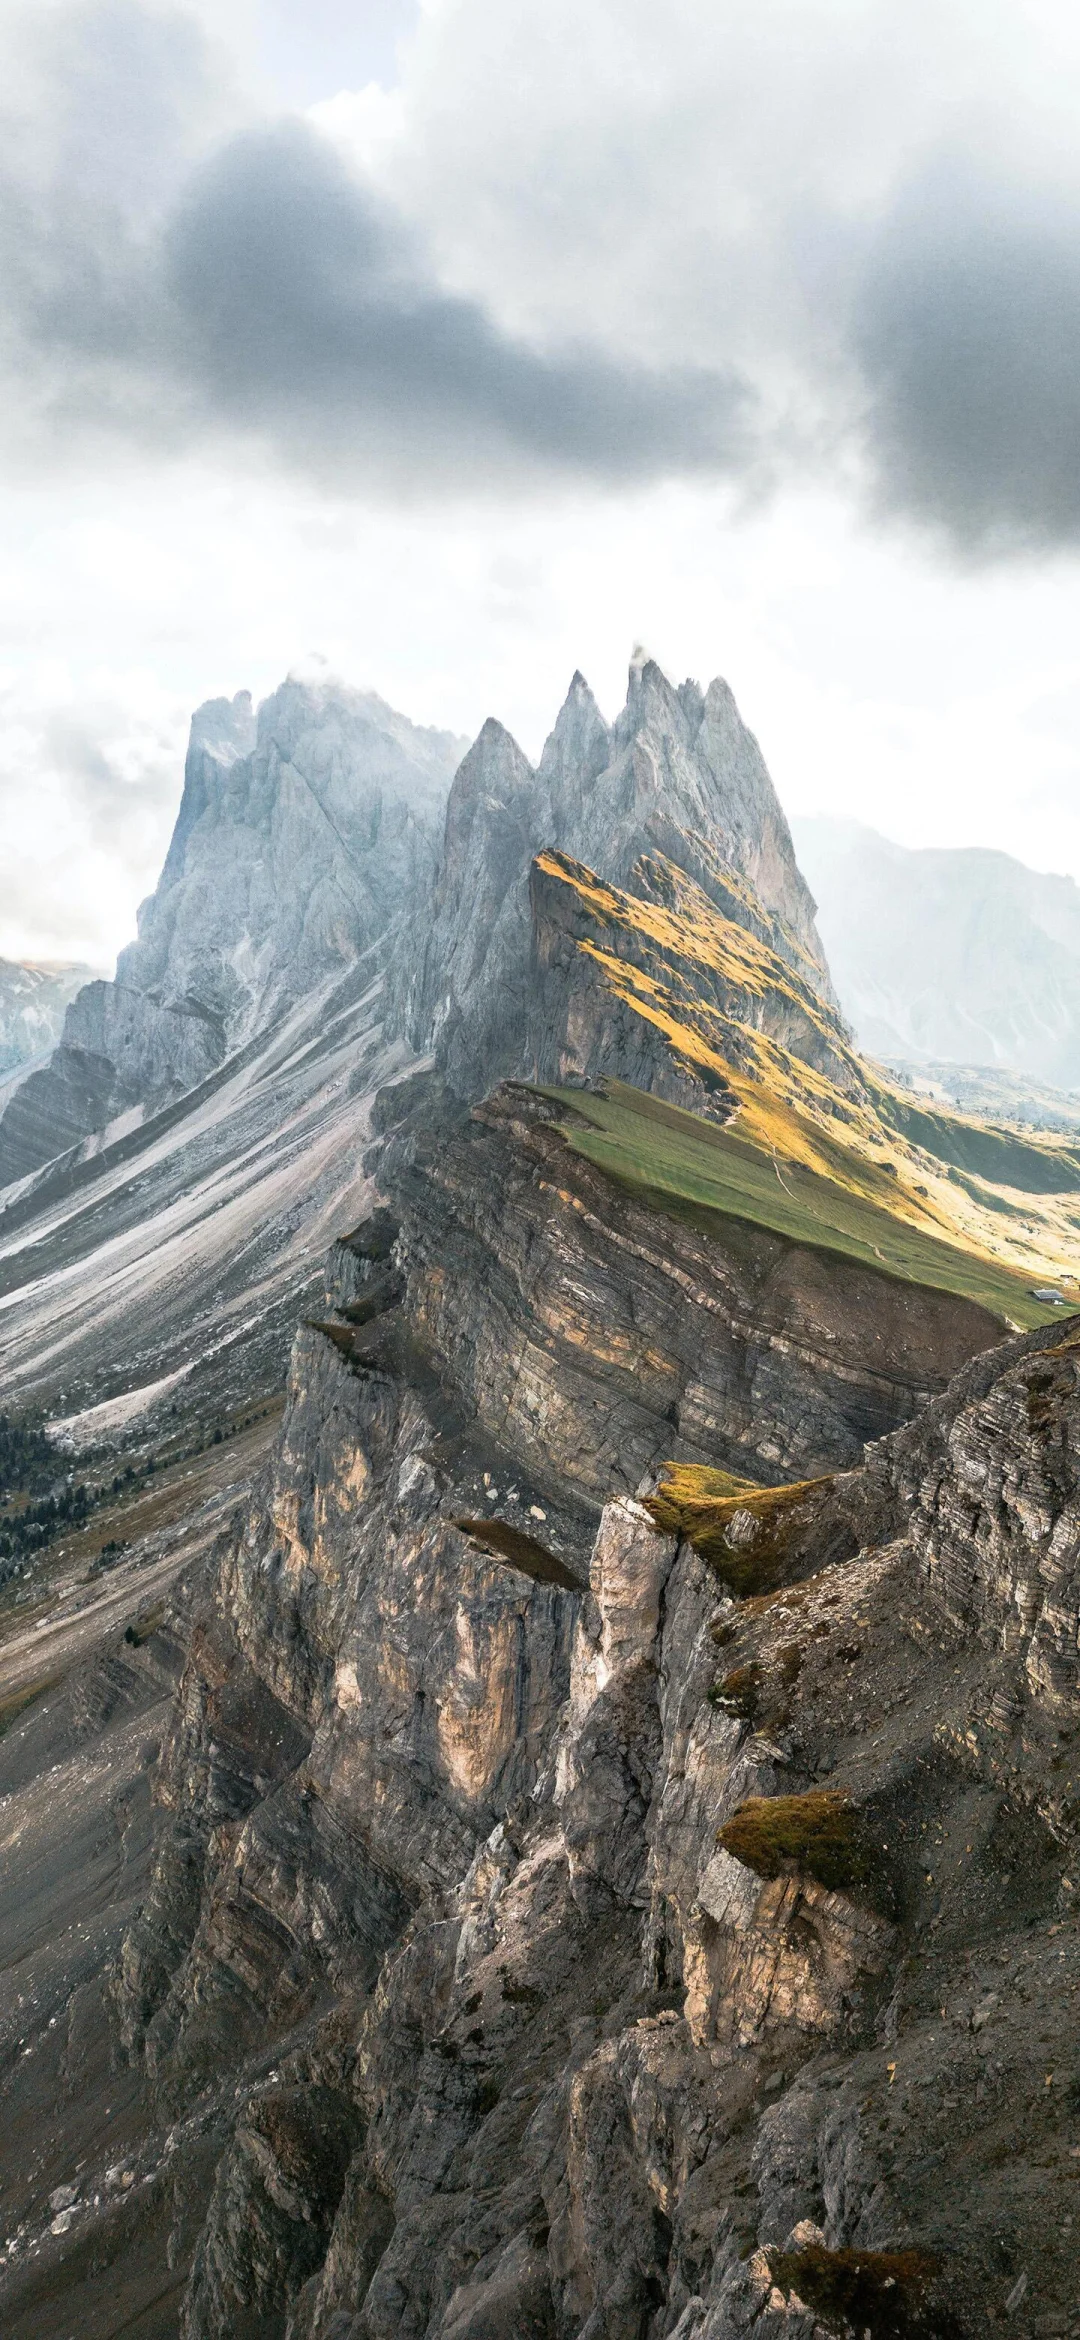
{"points": [[250, 285], [826, 240], [869, 209], [306, 310], [89, 780], [968, 330]]}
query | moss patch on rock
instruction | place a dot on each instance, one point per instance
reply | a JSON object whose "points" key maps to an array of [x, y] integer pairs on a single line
{"points": [[887, 2293], [739, 1692], [756, 1539], [816, 1835]]}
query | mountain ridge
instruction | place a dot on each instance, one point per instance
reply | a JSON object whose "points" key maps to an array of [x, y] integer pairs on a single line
{"points": [[568, 1830], [296, 838]]}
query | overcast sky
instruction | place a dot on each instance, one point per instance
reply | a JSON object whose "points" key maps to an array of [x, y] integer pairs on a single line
{"points": [[448, 345]]}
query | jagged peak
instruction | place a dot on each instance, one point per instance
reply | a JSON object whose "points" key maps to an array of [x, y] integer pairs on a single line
{"points": [[494, 750], [225, 728], [650, 698], [577, 747], [578, 703], [692, 701]]}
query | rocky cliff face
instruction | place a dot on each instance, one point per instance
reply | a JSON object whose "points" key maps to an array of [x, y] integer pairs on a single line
{"points": [[612, 1872], [582, 1911], [665, 985], [301, 831], [678, 776]]}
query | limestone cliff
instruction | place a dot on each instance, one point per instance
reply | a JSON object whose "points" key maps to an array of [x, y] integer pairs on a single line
{"points": [[594, 1897], [678, 775], [301, 831], [545, 1938], [585, 1846]]}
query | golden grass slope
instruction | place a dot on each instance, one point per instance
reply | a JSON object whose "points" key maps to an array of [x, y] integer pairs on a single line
{"points": [[820, 1145]]}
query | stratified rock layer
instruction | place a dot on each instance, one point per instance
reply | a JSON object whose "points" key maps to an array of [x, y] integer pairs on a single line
{"points": [[590, 1899], [443, 1956]]}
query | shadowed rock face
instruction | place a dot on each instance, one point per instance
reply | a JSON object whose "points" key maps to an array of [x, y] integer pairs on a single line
{"points": [[450, 2014], [437, 2002], [602, 1338]]}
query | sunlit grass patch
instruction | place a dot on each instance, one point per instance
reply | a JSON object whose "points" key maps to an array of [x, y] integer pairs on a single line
{"points": [[703, 1173], [751, 1536]]}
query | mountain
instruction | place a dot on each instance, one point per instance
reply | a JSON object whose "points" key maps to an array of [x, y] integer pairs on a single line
{"points": [[960, 956], [538, 1800], [299, 832], [994, 1094], [33, 998], [677, 775]]}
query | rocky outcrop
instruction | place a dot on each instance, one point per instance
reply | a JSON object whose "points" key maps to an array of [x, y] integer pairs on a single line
{"points": [[662, 987], [615, 1871], [683, 777], [301, 832], [548, 2058], [678, 776], [603, 1337]]}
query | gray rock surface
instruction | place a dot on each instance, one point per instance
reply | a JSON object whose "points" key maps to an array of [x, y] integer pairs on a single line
{"points": [[316, 830], [301, 831], [678, 774], [442, 1956], [559, 1915]]}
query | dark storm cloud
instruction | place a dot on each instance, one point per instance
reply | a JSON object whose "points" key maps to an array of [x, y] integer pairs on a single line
{"points": [[164, 284], [306, 311], [968, 333]]}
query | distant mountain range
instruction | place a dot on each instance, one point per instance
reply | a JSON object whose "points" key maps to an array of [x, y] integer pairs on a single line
{"points": [[944, 956], [34, 995]]}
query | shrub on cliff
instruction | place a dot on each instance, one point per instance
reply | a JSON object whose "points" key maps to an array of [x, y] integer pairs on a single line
{"points": [[739, 1693], [817, 1835], [886, 2293], [755, 1538]]}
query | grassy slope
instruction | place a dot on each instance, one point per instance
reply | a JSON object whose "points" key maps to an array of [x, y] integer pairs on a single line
{"points": [[698, 1170], [822, 1147]]}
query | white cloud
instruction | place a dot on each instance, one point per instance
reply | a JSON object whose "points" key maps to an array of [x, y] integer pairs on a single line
{"points": [[88, 765], [729, 185]]}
